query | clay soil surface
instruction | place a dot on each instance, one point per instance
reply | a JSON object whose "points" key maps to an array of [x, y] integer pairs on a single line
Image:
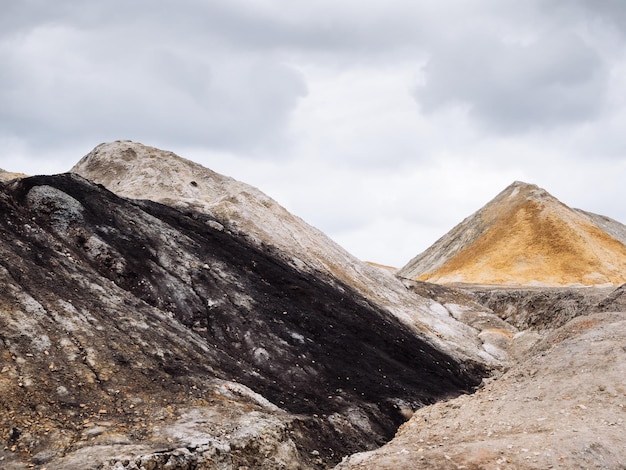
{"points": [[563, 406]]}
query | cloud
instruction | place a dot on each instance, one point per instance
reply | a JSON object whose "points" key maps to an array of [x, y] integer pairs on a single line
{"points": [[383, 122], [608, 13], [135, 79], [234, 74], [553, 80]]}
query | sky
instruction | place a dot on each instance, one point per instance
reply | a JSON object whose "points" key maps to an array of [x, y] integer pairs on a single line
{"points": [[383, 123]]}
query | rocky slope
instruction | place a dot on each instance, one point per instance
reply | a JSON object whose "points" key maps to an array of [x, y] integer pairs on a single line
{"points": [[134, 332], [194, 323], [525, 236], [563, 406], [542, 309], [138, 171]]}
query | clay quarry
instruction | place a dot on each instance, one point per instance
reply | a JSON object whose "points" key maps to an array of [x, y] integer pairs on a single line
{"points": [[155, 314]]}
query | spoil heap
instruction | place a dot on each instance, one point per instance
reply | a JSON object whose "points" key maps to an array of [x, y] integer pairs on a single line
{"points": [[525, 236]]}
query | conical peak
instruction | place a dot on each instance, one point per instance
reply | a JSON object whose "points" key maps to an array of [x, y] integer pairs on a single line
{"points": [[517, 196], [525, 235], [520, 191], [521, 185]]}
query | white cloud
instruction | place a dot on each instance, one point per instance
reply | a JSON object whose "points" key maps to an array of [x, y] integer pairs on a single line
{"points": [[551, 80], [63, 81]]}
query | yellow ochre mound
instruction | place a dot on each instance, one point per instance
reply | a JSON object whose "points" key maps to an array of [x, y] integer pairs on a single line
{"points": [[525, 236]]}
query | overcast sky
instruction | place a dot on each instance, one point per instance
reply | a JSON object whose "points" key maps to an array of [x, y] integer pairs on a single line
{"points": [[383, 122]]}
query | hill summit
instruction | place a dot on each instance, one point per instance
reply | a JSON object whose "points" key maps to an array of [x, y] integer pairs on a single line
{"points": [[138, 171], [525, 236]]}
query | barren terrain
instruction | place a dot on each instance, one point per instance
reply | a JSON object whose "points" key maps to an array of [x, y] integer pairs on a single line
{"points": [[129, 328], [525, 236], [185, 320], [563, 406]]}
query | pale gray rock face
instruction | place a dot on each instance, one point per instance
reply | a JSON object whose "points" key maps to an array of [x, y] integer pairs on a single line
{"points": [[464, 234]]}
